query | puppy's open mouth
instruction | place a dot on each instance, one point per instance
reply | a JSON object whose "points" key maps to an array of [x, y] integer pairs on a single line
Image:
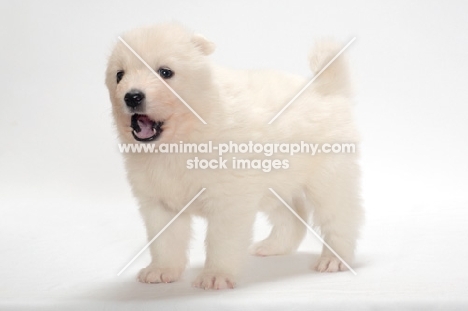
{"points": [[144, 128]]}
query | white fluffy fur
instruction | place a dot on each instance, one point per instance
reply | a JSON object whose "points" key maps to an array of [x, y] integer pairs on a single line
{"points": [[237, 105]]}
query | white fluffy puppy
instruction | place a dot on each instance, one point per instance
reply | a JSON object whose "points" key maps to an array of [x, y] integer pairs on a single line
{"points": [[237, 106]]}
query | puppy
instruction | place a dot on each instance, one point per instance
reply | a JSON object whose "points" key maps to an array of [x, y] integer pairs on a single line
{"points": [[237, 106]]}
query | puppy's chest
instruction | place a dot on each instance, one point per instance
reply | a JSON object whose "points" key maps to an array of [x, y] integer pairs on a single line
{"points": [[164, 177]]}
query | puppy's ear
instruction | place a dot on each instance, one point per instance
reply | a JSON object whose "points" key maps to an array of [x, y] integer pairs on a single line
{"points": [[207, 47]]}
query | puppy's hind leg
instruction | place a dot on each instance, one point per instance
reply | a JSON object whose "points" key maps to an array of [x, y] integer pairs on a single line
{"points": [[287, 232], [334, 193]]}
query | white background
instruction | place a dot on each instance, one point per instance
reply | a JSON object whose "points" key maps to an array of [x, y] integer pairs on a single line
{"points": [[68, 222]]}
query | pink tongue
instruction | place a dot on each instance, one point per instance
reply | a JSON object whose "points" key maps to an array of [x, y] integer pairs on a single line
{"points": [[146, 126]]}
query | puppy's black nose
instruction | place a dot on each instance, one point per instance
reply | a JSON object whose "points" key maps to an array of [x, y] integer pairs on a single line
{"points": [[134, 99]]}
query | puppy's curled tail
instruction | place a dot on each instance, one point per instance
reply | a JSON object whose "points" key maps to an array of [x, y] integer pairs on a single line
{"points": [[335, 78]]}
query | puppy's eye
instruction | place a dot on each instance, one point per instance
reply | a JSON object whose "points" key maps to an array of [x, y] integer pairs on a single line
{"points": [[119, 75], [165, 73]]}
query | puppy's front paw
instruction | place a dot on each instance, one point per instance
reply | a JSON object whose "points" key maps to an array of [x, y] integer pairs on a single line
{"points": [[329, 264], [153, 274], [213, 280]]}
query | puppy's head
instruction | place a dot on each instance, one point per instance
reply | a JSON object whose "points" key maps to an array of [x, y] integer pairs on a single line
{"points": [[144, 107]]}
